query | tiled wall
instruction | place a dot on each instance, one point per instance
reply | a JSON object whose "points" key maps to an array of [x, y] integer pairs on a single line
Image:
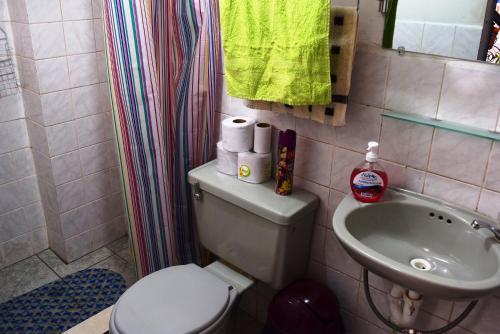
{"points": [[59, 48], [22, 223], [445, 39], [458, 168]]}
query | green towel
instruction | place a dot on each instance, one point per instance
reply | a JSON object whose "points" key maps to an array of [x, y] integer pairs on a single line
{"points": [[277, 50]]}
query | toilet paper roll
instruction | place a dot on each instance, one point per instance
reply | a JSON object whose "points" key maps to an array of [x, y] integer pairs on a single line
{"points": [[262, 138], [237, 134], [254, 167], [227, 162]]}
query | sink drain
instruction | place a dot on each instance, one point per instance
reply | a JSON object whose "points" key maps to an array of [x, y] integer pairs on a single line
{"points": [[421, 264]]}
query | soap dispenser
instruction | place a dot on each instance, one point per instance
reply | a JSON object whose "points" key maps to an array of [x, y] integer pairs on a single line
{"points": [[369, 180]]}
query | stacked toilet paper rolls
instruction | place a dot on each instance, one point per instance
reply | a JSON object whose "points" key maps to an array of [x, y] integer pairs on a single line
{"points": [[262, 138], [227, 162], [237, 134], [254, 167]]}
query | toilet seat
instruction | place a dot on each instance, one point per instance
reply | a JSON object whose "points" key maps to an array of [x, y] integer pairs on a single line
{"points": [[179, 299]]}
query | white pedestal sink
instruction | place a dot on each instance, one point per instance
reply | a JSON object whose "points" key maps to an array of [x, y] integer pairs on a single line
{"points": [[421, 243]]}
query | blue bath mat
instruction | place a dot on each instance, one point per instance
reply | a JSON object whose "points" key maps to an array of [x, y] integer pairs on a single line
{"points": [[60, 305]]}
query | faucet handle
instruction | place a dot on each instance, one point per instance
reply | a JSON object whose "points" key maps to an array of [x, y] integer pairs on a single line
{"points": [[478, 224]]}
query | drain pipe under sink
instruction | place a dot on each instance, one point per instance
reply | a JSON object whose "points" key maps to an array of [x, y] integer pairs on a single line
{"points": [[404, 306]]}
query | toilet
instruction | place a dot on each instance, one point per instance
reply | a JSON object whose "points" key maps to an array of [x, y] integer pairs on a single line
{"points": [[259, 234]]}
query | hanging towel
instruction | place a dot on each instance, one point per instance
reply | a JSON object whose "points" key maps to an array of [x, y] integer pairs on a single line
{"points": [[343, 32], [277, 50]]}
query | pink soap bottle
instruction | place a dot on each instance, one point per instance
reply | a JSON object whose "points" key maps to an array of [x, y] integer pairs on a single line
{"points": [[369, 180]]}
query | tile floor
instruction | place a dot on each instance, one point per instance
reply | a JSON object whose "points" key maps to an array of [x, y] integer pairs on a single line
{"points": [[45, 267]]}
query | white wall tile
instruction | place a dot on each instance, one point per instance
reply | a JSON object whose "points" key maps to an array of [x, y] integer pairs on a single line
{"points": [[83, 69], [414, 85], [78, 220], [94, 129], [115, 178], [309, 150], [22, 161], [79, 36], [451, 191], [363, 125], [70, 195], [466, 42], [409, 35], [12, 225], [87, 100], [405, 143], [48, 40], [338, 259], [38, 138], [43, 10], [102, 73], [4, 11], [489, 204], [61, 138], [33, 106], [345, 288], [34, 216], [22, 40], [57, 107], [369, 76], [15, 250], [403, 177], [469, 95], [314, 130], [52, 74], [96, 186], [39, 240], [28, 74], [99, 35], [98, 157], [438, 38], [18, 194], [97, 8], [11, 108], [108, 208], [483, 319], [344, 161], [321, 191], [14, 136], [493, 174], [66, 167], [78, 245], [76, 9], [459, 156]]}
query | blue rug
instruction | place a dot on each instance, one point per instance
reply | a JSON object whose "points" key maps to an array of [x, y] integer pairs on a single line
{"points": [[60, 305]]}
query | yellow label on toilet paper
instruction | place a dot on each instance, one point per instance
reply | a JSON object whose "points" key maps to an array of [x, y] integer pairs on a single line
{"points": [[244, 171]]}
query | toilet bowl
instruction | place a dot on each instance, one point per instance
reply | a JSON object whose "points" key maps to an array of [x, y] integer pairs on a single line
{"points": [[180, 299], [265, 235]]}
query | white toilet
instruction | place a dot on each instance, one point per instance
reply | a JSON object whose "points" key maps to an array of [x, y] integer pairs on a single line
{"points": [[247, 225]]}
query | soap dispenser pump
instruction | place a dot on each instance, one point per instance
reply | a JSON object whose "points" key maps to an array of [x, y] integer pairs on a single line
{"points": [[368, 179]]}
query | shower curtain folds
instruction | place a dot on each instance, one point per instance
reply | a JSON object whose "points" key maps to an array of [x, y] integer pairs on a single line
{"points": [[163, 59]]}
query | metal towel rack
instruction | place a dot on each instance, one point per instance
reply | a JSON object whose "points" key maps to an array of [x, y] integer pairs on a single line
{"points": [[8, 79]]}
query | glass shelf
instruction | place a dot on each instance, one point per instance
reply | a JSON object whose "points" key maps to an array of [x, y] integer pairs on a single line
{"points": [[445, 125]]}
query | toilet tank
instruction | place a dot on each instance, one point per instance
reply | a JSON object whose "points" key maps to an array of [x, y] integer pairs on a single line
{"points": [[264, 234]]}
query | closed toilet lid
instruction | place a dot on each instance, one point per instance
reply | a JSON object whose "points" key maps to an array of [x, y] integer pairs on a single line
{"points": [[175, 300]]}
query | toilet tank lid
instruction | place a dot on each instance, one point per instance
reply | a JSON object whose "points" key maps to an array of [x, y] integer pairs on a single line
{"points": [[259, 199]]}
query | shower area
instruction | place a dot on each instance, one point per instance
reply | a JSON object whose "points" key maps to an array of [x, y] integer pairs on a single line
{"points": [[61, 199]]}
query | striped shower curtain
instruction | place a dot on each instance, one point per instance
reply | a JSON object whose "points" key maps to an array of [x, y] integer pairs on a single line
{"points": [[162, 60]]}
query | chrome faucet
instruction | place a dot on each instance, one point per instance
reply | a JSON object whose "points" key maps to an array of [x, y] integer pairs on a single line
{"points": [[477, 224]]}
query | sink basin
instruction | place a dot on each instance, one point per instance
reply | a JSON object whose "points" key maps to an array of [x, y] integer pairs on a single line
{"points": [[421, 243]]}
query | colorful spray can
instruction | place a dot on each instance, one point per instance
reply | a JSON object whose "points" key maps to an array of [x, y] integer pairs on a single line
{"points": [[286, 157]]}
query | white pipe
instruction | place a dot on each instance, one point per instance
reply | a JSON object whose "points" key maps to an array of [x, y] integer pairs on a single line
{"points": [[411, 307], [395, 299], [404, 305]]}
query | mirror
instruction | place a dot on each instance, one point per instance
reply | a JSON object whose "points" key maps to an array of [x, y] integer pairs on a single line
{"points": [[465, 29]]}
